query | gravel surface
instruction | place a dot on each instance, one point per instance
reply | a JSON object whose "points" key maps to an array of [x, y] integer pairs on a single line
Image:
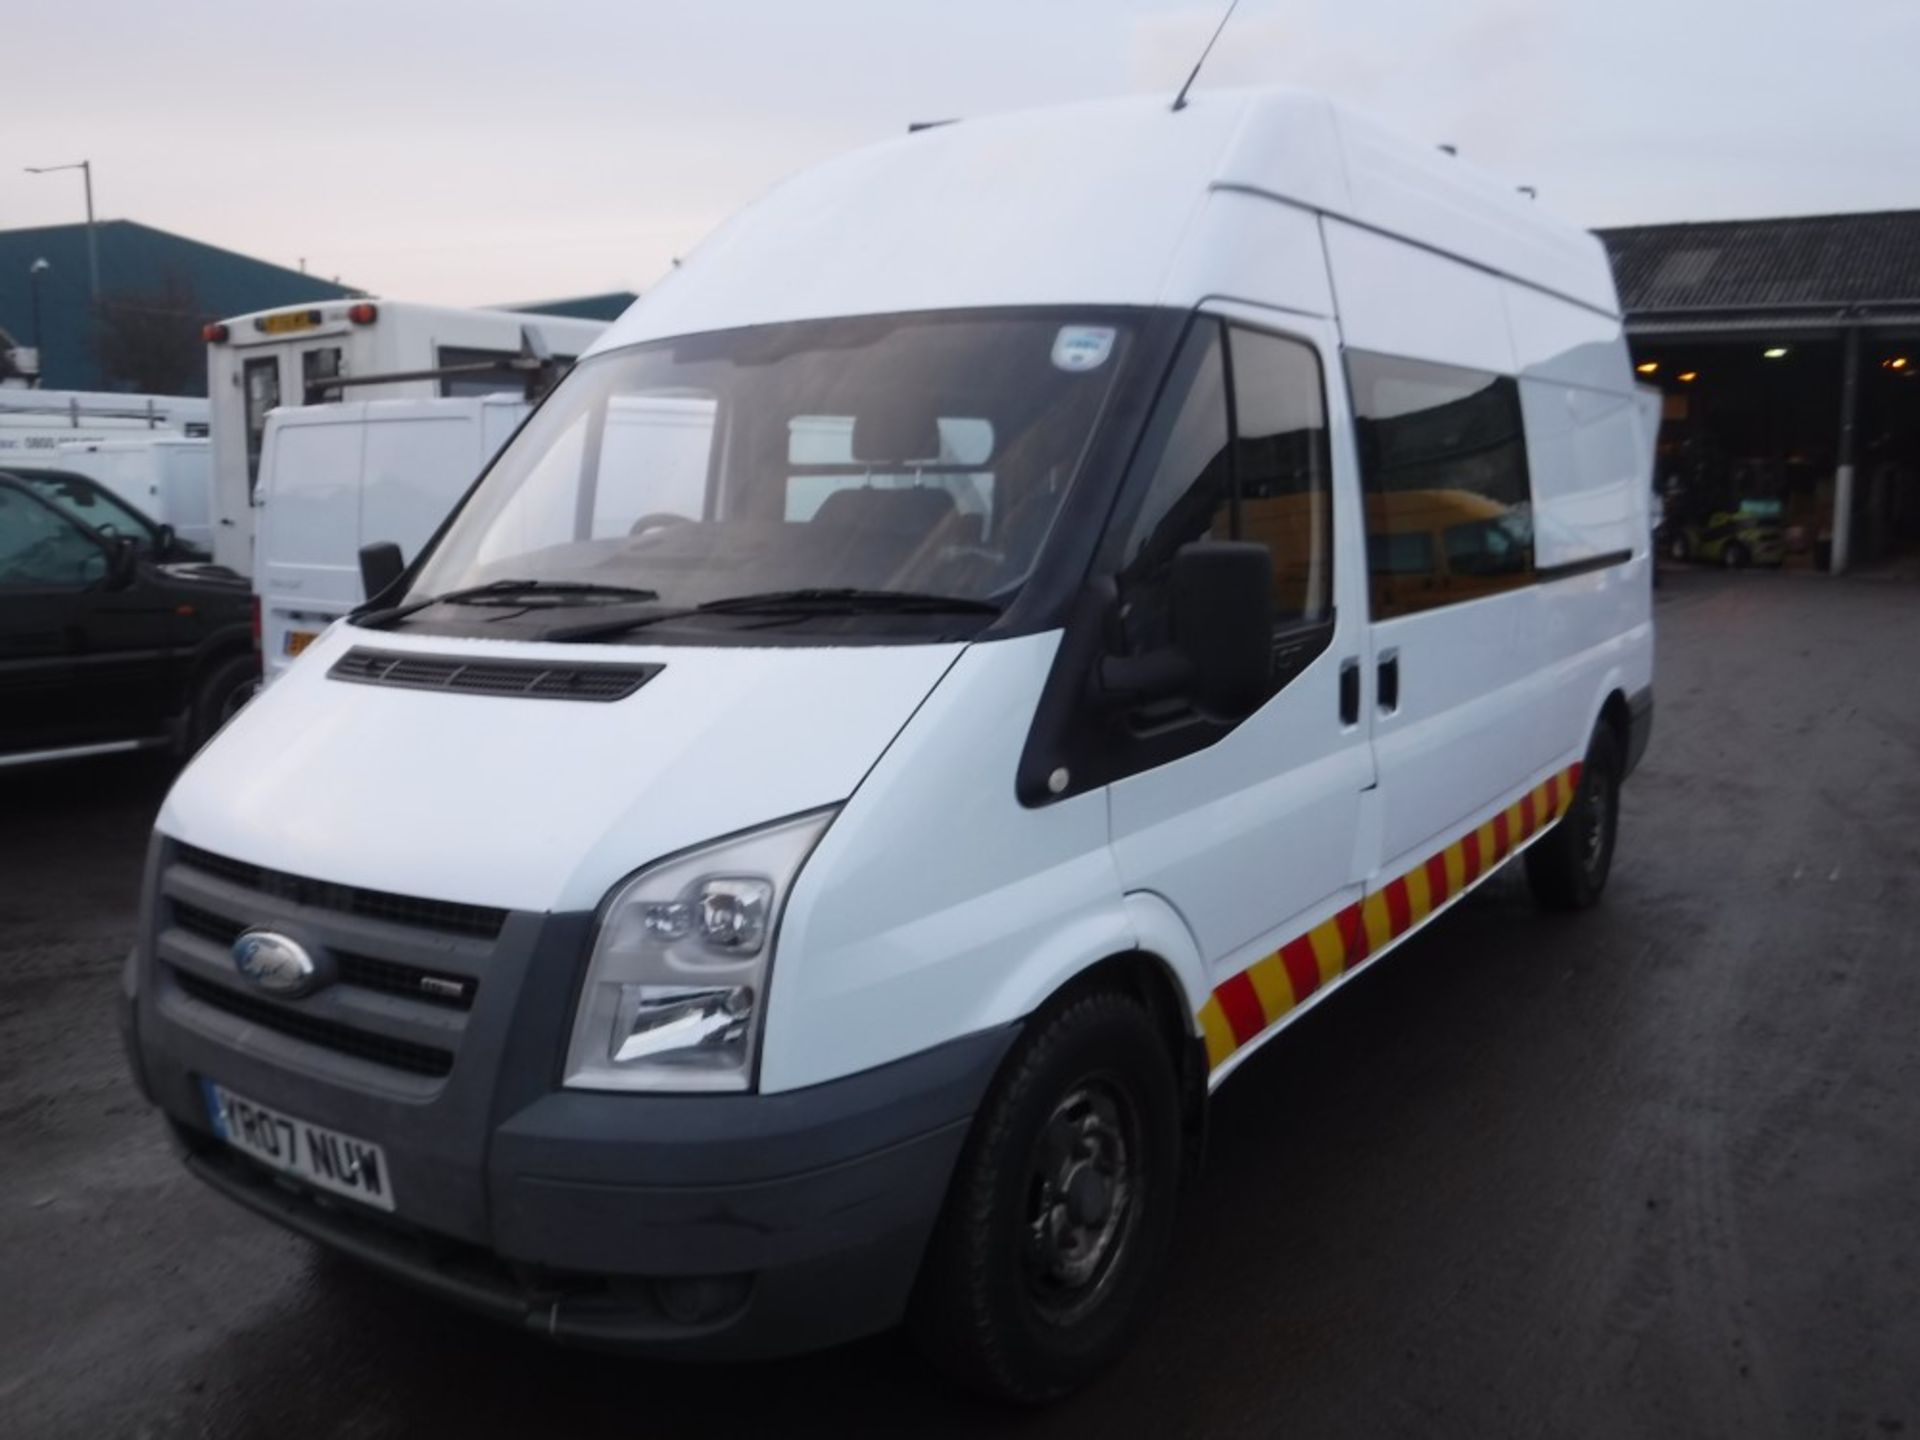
{"points": [[1653, 1170]]}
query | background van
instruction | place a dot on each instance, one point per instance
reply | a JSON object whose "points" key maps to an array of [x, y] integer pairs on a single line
{"points": [[168, 477], [334, 477]]}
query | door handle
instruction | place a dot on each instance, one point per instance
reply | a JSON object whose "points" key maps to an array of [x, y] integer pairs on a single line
{"points": [[1386, 690], [1350, 692]]}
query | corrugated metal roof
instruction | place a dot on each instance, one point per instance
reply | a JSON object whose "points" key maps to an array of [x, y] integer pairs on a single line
{"points": [[1746, 265]]}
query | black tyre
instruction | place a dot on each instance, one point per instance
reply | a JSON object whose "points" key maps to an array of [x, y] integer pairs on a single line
{"points": [[1679, 547], [226, 686], [1568, 868], [1057, 1223], [1735, 556]]}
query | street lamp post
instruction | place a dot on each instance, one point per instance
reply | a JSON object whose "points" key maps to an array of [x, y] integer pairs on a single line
{"points": [[85, 167], [34, 272]]}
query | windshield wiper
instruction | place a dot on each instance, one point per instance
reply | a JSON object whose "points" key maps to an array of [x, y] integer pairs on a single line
{"points": [[842, 600], [500, 590]]}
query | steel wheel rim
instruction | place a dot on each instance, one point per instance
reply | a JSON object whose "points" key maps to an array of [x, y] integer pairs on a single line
{"points": [[1082, 1199]]}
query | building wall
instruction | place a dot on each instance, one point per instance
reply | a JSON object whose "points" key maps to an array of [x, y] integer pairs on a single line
{"points": [[171, 278]]}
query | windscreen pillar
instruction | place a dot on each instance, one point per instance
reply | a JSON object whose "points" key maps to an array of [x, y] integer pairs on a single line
{"points": [[1843, 470]]}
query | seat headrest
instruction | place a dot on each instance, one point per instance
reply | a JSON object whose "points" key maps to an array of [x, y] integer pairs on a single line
{"points": [[898, 432]]}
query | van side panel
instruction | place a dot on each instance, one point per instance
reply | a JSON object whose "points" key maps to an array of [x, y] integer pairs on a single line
{"points": [[1404, 188], [1467, 732], [1589, 456]]}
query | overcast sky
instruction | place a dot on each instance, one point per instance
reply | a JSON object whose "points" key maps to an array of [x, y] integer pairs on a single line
{"points": [[484, 151]]}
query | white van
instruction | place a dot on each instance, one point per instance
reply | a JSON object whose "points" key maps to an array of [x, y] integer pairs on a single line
{"points": [[350, 350], [335, 477], [1142, 567], [166, 477]]}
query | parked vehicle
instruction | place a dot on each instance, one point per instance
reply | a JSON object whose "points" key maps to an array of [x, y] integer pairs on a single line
{"points": [[1749, 535], [113, 635], [335, 477], [34, 424], [736, 900], [167, 477], [332, 351]]}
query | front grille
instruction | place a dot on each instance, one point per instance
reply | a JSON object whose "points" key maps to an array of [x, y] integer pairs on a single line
{"points": [[530, 679], [443, 915], [436, 987], [379, 1049]]}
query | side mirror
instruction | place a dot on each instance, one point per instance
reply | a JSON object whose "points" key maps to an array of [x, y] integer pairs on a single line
{"points": [[1221, 600], [123, 561], [165, 541], [381, 566]]}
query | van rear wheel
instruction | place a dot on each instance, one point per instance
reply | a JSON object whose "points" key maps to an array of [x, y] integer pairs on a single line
{"points": [[1057, 1223], [1568, 867]]}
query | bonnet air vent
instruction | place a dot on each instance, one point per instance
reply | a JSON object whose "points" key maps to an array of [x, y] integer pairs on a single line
{"points": [[531, 679]]}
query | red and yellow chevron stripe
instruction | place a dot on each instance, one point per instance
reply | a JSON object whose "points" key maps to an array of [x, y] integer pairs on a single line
{"points": [[1245, 1005]]}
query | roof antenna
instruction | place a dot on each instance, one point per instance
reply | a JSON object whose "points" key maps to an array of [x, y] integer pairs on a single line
{"points": [[1180, 100]]}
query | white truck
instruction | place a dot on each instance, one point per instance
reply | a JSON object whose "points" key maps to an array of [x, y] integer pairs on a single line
{"points": [[352, 350]]}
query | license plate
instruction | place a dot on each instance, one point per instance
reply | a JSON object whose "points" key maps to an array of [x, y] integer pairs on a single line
{"points": [[323, 1158], [298, 640], [288, 323]]}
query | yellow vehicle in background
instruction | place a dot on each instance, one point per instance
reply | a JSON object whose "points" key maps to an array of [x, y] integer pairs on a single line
{"points": [[1750, 535], [1423, 546]]}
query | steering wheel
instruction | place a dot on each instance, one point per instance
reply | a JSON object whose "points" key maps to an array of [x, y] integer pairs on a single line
{"points": [[657, 520]]}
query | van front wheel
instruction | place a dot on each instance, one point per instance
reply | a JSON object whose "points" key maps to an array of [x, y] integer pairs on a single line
{"points": [[1057, 1223], [1568, 866]]}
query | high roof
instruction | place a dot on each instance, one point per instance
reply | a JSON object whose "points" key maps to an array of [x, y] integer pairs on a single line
{"points": [[1094, 203], [1831, 262]]}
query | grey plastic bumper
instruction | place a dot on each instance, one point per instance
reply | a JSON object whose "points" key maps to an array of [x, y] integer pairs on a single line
{"points": [[698, 1226], [692, 1224]]}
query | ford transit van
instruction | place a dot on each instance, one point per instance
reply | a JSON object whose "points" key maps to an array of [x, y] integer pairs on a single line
{"points": [[731, 900]]}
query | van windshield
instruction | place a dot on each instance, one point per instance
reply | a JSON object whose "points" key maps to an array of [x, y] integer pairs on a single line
{"points": [[924, 454]]}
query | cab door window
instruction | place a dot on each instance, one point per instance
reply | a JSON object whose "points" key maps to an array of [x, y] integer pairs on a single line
{"points": [[41, 549], [1244, 457]]}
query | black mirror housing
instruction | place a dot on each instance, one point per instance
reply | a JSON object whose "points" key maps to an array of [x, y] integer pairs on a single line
{"points": [[381, 566], [123, 561], [1220, 597]]}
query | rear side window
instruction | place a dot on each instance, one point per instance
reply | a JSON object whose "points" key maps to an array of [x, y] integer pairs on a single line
{"points": [[1443, 458]]}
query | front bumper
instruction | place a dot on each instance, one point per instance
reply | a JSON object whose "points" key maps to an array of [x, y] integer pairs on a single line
{"points": [[695, 1225]]}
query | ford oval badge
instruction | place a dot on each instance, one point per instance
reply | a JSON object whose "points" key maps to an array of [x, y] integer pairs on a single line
{"points": [[275, 963]]}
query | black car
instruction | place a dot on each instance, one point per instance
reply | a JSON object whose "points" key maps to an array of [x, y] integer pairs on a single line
{"points": [[113, 634]]}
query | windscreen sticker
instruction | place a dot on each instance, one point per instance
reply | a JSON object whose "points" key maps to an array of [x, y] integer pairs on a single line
{"points": [[1082, 347]]}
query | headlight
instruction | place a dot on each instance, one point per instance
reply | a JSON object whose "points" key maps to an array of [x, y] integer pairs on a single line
{"points": [[677, 983]]}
